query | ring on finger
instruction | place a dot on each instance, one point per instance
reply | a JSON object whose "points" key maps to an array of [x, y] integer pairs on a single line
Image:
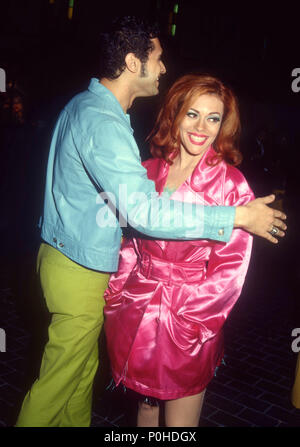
{"points": [[274, 231]]}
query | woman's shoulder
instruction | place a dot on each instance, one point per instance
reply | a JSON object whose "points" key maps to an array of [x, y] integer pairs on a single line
{"points": [[151, 162], [236, 184], [234, 174], [153, 166]]}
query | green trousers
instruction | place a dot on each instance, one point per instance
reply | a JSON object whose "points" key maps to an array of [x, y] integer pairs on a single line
{"points": [[62, 394]]}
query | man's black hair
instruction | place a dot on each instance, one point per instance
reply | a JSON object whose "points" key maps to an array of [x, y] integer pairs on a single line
{"points": [[127, 34]]}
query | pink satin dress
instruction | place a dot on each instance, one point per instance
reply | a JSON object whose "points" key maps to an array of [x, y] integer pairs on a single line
{"points": [[166, 305]]}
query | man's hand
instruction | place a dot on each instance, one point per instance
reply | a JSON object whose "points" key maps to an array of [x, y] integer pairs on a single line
{"points": [[258, 218]]}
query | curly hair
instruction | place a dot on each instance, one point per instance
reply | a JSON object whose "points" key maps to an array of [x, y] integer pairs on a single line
{"points": [[127, 34], [165, 137]]}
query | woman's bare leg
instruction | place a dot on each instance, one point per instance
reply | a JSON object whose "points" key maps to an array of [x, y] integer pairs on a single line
{"points": [[148, 416], [184, 412]]}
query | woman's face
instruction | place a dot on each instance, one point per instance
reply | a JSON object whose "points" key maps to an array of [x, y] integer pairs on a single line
{"points": [[201, 124]]}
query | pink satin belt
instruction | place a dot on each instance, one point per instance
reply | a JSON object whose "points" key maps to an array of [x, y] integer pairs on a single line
{"points": [[170, 272]]}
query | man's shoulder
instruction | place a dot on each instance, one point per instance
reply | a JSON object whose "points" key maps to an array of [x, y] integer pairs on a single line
{"points": [[89, 111], [88, 101]]}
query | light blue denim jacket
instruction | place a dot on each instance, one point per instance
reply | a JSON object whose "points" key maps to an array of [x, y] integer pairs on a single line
{"points": [[93, 150]]}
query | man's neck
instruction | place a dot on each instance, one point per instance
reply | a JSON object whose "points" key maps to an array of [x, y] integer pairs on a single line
{"points": [[120, 90]]}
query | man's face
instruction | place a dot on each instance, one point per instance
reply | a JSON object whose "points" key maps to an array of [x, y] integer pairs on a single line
{"points": [[151, 71]]}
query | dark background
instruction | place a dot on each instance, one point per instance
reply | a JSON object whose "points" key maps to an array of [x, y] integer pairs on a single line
{"points": [[254, 48]]}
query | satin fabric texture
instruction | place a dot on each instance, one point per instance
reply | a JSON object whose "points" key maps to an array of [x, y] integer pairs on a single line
{"points": [[167, 304]]}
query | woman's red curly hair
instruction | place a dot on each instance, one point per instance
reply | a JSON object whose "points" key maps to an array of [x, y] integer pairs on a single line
{"points": [[165, 137]]}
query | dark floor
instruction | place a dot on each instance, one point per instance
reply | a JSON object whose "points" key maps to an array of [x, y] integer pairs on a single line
{"points": [[251, 390]]}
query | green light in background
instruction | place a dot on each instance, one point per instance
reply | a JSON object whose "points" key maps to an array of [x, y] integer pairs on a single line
{"points": [[70, 9], [173, 29], [175, 10]]}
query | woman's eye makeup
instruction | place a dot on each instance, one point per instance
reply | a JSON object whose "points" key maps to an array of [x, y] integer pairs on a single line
{"points": [[214, 118], [192, 114], [211, 118]]}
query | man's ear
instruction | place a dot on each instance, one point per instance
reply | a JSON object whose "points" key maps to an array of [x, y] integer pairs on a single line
{"points": [[132, 62]]}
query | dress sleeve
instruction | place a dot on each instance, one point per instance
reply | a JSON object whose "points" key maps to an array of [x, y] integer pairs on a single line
{"points": [[228, 263], [127, 262]]}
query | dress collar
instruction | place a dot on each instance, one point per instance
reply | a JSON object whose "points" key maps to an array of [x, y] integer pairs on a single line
{"points": [[202, 172]]}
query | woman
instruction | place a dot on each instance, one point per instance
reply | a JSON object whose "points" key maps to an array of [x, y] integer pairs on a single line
{"points": [[166, 305]]}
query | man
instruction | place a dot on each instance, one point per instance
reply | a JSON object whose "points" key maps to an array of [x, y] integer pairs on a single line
{"points": [[92, 151]]}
